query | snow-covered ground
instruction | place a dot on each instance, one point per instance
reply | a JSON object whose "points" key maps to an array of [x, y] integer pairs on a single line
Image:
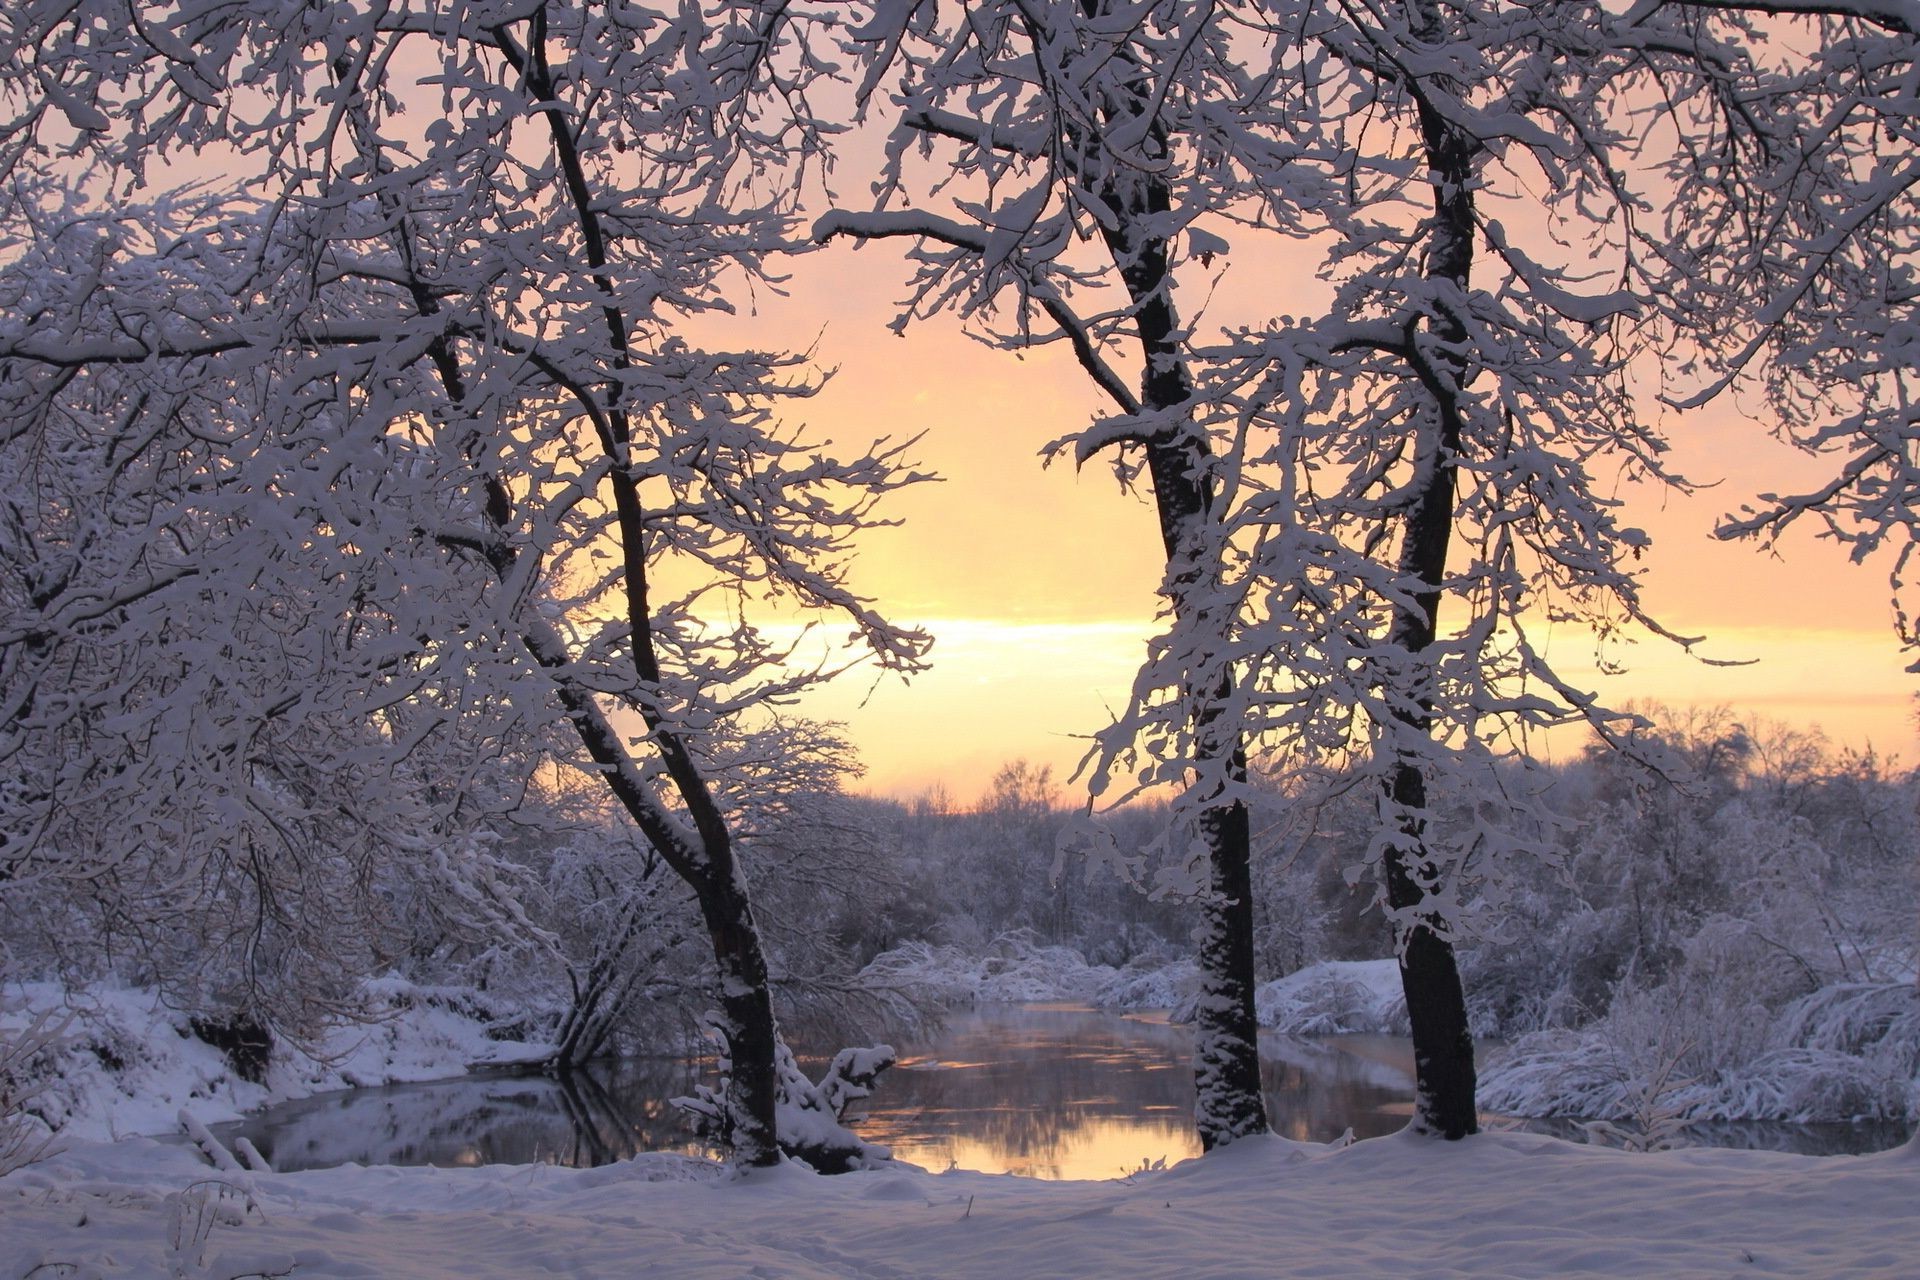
{"points": [[1495, 1205]]}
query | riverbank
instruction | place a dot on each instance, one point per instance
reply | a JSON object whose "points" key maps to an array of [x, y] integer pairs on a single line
{"points": [[119, 1063], [1497, 1205]]}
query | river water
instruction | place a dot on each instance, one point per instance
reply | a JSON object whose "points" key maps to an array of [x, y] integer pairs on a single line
{"points": [[1048, 1091]]}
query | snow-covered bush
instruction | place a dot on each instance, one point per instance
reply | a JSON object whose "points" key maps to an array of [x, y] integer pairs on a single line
{"points": [[1016, 970], [1151, 982], [24, 1136], [1335, 997], [1858, 1018], [1013, 969], [940, 976], [1845, 1053], [806, 1115]]}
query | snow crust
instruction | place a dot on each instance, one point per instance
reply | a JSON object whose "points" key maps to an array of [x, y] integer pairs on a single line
{"points": [[1498, 1205]]}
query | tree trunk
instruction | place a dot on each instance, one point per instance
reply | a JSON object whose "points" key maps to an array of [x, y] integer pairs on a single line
{"points": [[1444, 1080], [1444, 1075], [747, 1010], [1227, 1103]]}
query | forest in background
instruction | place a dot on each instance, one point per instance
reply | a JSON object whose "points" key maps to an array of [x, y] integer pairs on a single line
{"points": [[1734, 939]]}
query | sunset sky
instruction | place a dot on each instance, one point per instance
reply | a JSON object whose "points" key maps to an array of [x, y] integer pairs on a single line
{"points": [[1038, 583]]}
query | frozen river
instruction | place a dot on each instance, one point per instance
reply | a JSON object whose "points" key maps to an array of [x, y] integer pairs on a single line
{"points": [[1044, 1091]]}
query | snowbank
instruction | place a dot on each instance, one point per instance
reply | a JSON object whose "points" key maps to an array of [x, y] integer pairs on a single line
{"points": [[1499, 1205], [126, 1064]]}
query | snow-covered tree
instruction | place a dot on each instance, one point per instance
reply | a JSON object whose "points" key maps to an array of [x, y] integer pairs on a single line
{"points": [[1796, 226], [447, 305], [228, 758], [1373, 487], [1056, 124]]}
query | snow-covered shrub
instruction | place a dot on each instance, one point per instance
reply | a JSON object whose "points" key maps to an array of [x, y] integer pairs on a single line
{"points": [[1017, 970], [1811, 1085], [1013, 969], [1857, 1018], [1845, 1053], [806, 1115], [1630, 1082], [24, 1136], [1873, 1030], [1335, 997], [1151, 982], [933, 975]]}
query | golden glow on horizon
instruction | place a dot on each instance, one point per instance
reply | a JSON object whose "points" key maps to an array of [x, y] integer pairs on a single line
{"points": [[1038, 583], [1002, 690]]}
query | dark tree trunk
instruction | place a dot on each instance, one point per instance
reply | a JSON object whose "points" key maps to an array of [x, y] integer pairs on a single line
{"points": [[747, 1007], [1228, 1102], [1444, 1080], [1444, 1077], [1227, 1034], [703, 857], [1436, 1006]]}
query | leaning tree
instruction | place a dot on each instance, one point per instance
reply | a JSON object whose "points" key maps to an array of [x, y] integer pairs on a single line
{"points": [[469, 240]]}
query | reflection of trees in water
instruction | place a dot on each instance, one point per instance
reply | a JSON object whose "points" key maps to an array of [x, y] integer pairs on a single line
{"points": [[590, 1118], [1025, 1082], [1021, 1084], [1316, 1092]]}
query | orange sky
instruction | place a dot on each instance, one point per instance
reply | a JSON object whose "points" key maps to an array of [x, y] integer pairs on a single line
{"points": [[1038, 583]]}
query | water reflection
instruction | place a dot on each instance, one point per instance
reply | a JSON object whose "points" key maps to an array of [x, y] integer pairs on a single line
{"points": [[1044, 1091], [583, 1120], [1065, 1092]]}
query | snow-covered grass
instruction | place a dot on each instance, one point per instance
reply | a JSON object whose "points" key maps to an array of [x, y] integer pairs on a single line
{"points": [[1846, 1052], [1499, 1205], [123, 1063]]}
